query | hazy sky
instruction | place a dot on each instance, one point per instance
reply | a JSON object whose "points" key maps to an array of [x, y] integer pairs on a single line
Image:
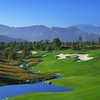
{"points": [[60, 13]]}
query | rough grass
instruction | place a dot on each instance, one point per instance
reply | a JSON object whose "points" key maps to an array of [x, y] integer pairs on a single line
{"points": [[15, 75], [83, 77]]}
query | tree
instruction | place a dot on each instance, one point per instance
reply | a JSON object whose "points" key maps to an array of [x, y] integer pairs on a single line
{"points": [[56, 43], [73, 46], [99, 40], [80, 38], [48, 48], [41, 45], [36, 46], [6, 52], [26, 53], [12, 55], [47, 42], [80, 42]]}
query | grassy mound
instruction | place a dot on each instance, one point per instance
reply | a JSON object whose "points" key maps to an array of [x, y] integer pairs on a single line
{"points": [[83, 77]]}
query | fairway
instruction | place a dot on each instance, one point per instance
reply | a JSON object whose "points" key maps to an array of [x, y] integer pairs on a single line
{"points": [[82, 77]]}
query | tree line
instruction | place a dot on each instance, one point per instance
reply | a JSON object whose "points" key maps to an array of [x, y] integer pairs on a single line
{"points": [[10, 50]]}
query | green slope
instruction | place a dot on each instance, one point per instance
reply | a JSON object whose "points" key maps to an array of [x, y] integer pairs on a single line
{"points": [[83, 77]]}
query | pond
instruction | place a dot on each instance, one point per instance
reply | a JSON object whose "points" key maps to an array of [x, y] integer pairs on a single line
{"points": [[14, 90]]}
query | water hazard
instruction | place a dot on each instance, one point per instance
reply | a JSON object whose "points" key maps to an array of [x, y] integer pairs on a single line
{"points": [[14, 90]]}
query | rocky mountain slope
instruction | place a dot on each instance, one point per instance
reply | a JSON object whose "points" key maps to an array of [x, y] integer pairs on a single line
{"points": [[41, 32]]}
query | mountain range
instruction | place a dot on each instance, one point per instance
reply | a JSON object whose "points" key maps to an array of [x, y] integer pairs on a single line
{"points": [[89, 28], [4, 38], [41, 32]]}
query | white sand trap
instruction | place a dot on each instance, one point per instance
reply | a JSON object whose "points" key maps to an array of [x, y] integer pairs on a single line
{"points": [[19, 52], [84, 57], [80, 57], [33, 52], [61, 56]]}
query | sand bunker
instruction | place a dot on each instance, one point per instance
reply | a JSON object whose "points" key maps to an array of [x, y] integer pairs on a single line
{"points": [[78, 57], [84, 57], [33, 52]]}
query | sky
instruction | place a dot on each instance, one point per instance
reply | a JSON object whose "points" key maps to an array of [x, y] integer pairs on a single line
{"points": [[59, 13]]}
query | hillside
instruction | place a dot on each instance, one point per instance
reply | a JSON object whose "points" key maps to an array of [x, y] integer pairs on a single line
{"points": [[8, 39], [89, 28], [41, 32]]}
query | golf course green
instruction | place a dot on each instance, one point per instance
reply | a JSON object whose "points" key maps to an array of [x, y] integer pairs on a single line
{"points": [[83, 77]]}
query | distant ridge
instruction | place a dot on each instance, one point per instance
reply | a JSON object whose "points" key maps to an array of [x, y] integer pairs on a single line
{"points": [[89, 28], [41, 32], [8, 39]]}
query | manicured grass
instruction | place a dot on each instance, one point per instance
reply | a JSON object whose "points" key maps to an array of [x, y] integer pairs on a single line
{"points": [[83, 77]]}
